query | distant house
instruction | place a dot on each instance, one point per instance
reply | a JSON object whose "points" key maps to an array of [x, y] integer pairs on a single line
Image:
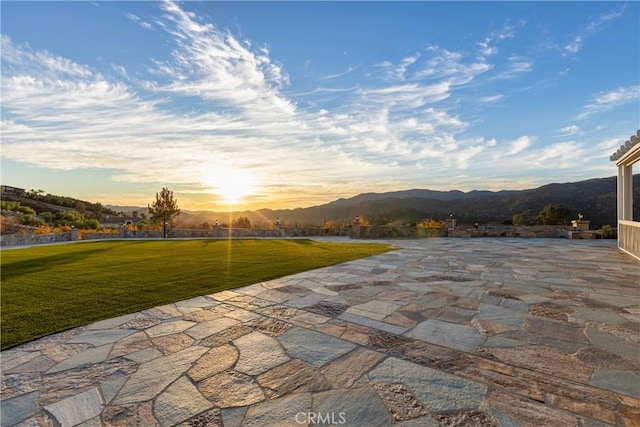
{"points": [[118, 221], [15, 191]]}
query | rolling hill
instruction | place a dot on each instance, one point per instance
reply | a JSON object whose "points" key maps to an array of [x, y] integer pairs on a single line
{"points": [[594, 198]]}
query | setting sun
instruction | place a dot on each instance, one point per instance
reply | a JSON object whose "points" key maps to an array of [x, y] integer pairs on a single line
{"points": [[233, 185]]}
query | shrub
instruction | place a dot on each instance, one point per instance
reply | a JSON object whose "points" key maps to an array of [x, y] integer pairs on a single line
{"points": [[92, 224], [609, 232], [432, 223], [32, 221], [47, 217], [9, 205], [554, 214], [26, 210]]}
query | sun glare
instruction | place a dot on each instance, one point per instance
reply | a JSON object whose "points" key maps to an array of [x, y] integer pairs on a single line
{"points": [[233, 186]]}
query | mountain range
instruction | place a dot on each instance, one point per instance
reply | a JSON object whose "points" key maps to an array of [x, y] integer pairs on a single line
{"points": [[594, 198]]}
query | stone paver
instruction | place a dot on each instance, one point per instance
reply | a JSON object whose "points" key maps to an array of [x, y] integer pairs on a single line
{"points": [[460, 337], [258, 353], [153, 376], [439, 391], [491, 332], [77, 409], [179, 402]]}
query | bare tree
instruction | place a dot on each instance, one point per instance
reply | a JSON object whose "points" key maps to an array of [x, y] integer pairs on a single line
{"points": [[164, 209]]}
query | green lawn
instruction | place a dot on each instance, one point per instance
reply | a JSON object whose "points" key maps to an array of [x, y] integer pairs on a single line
{"points": [[48, 289]]}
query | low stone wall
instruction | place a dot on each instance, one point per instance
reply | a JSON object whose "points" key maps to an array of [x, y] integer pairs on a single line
{"points": [[388, 232], [356, 231], [37, 239], [100, 236], [584, 234], [543, 231], [140, 234], [220, 232], [224, 232]]}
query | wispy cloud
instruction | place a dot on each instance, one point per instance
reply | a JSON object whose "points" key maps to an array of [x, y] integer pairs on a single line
{"points": [[213, 64], [139, 21], [570, 130], [39, 61], [102, 122], [334, 76], [515, 67], [397, 72], [450, 66], [519, 145], [489, 45], [578, 40], [491, 99], [609, 100], [560, 155]]}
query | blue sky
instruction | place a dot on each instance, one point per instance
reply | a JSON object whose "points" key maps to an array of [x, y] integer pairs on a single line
{"points": [[244, 105]]}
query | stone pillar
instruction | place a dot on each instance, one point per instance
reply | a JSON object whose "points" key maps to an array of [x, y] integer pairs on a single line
{"points": [[580, 224], [74, 234]]}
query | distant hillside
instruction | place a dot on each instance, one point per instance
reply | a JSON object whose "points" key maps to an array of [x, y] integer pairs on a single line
{"points": [[41, 202], [594, 198]]}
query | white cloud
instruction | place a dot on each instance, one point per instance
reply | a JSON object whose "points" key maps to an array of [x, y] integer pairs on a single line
{"points": [[609, 100], [214, 65], [519, 145], [488, 46], [515, 67], [408, 96], [577, 41], [449, 66], [570, 130], [39, 62], [464, 156], [559, 156], [82, 119], [334, 76], [491, 99], [139, 21], [406, 63]]}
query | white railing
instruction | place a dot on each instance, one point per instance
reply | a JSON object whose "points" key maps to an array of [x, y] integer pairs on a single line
{"points": [[629, 237]]}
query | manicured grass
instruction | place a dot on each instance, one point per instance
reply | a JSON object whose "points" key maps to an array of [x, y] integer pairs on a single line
{"points": [[48, 289]]}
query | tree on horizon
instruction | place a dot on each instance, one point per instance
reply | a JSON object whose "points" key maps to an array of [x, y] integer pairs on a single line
{"points": [[554, 214], [165, 209]]}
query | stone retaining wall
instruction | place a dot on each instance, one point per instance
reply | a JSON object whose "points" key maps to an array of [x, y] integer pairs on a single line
{"points": [[100, 236], [224, 232], [356, 231], [37, 239], [512, 231], [387, 232]]}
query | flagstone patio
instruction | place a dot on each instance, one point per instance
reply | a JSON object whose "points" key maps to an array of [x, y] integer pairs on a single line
{"points": [[451, 332]]}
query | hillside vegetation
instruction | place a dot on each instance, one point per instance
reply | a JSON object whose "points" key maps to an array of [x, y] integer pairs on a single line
{"points": [[594, 198]]}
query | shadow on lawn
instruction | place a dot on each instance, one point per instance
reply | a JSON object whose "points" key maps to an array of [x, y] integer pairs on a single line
{"points": [[34, 265]]}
